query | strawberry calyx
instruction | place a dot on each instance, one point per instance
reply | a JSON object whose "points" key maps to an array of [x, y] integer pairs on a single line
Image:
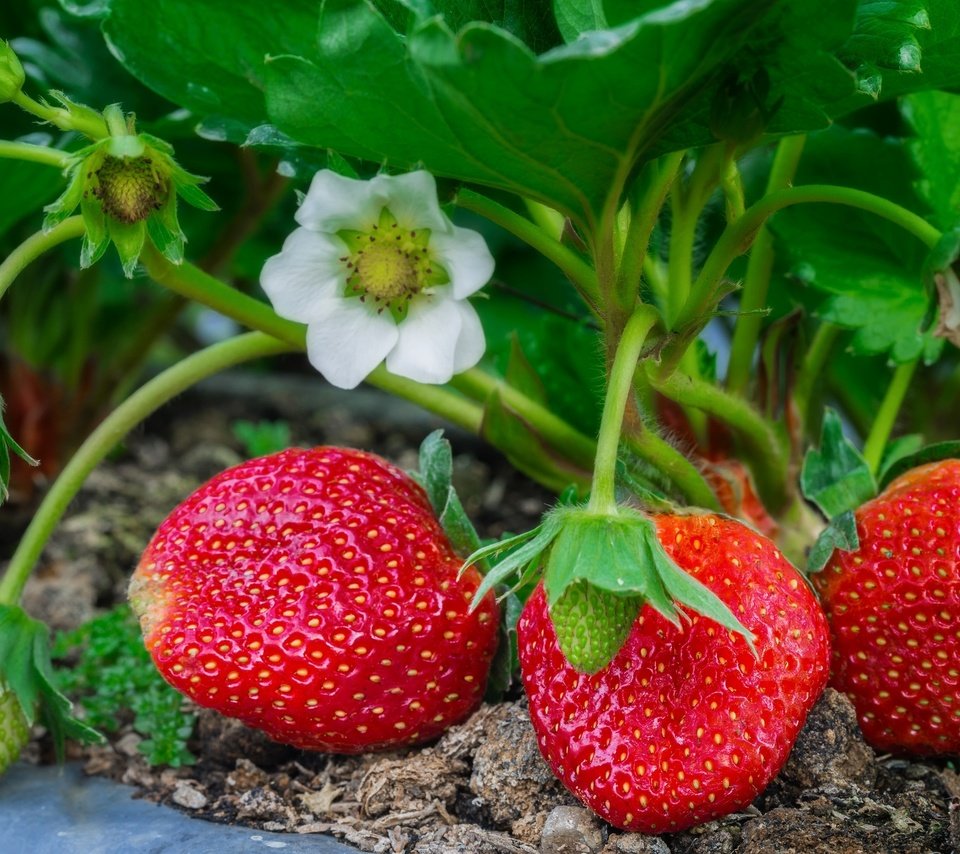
{"points": [[599, 569], [26, 672]]}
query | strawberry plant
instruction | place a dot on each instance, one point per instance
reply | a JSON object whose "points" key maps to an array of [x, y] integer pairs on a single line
{"points": [[691, 266]]}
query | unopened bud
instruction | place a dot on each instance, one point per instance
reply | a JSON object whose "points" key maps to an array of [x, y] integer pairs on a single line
{"points": [[11, 73]]}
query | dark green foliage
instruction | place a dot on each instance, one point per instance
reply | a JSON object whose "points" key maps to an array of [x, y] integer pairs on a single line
{"points": [[263, 437], [114, 679]]}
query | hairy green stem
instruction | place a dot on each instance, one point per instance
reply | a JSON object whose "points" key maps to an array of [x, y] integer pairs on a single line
{"points": [[764, 447], [603, 491], [35, 246], [87, 123], [642, 222], [737, 238], [663, 456], [578, 271], [756, 282], [112, 429], [34, 153], [886, 417]]}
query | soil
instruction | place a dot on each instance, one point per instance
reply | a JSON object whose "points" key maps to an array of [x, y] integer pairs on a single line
{"points": [[483, 786]]}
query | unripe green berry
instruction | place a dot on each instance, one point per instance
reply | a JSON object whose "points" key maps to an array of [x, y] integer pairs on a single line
{"points": [[11, 73]]}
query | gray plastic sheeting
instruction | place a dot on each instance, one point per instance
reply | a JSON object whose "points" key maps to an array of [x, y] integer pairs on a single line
{"points": [[50, 810]]}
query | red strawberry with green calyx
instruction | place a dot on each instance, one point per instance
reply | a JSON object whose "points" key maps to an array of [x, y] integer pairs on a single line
{"points": [[893, 603], [686, 723], [313, 595]]}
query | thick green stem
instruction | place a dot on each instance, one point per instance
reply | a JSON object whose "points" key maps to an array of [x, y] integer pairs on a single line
{"points": [[886, 417], [83, 120], [192, 283], [603, 492], [35, 246], [112, 429], [756, 282], [578, 271], [579, 449], [765, 449], [737, 238], [34, 153]]}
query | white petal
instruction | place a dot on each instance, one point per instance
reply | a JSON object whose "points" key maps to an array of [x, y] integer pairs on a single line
{"points": [[305, 274], [427, 346], [334, 202], [463, 253], [471, 342], [350, 341], [412, 199]]}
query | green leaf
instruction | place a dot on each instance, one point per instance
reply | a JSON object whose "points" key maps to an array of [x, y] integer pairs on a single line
{"points": [[835, 476], [934, 118], [575, 17], [261, 437], [853, 268], [841, 533], [505, 661], [930, 454], [521, 375], [25, 668], [26, 187], [897, 449]]}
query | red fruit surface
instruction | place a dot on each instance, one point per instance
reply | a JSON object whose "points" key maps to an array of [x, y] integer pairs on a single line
{"points": [[894, 611], [684, 725], [312, 594]]}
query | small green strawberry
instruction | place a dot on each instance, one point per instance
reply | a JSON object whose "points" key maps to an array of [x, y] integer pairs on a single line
{"points": [[14, 731], [314, 595]]}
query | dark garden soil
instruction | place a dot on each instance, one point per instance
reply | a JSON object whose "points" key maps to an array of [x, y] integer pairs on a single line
{"points": [[482, 787]]}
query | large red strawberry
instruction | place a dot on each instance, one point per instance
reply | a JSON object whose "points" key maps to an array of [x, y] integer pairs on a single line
{"points": [[685, 724], [894, 610], [312, 594]]}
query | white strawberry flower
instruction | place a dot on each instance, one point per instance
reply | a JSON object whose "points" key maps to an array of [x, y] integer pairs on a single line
{"points": [[378, 272]]}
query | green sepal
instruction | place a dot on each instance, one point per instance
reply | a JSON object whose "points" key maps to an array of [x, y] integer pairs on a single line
{"points": [[66, 203], [436, 478], [86, 115], [835, 476], [96, 238], [841, 533], [186, 186], [165, 233], [8, 444], [128, 238], [930, 454], [155, 142], [506, 660], [25, 668]]}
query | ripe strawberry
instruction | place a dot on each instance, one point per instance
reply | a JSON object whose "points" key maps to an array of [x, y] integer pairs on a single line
{"points": [[14, 732], [684, 725], [894, 611], [312, 594]]}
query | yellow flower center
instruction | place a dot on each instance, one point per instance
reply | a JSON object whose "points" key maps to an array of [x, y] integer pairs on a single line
{"points": [[387, 272]]}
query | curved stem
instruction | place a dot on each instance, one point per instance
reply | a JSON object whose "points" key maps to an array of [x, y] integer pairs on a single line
{"points": [[35, 246], [574, 268], [736, 239], [34, 153], [756, 282], [886, 417], [765, 448], [82, 120], [659, 453], [602, 493], [112, 429], [580, 449]]}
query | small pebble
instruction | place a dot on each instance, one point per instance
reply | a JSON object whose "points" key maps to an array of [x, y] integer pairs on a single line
{"points": [[571, 830], [188, 797]]}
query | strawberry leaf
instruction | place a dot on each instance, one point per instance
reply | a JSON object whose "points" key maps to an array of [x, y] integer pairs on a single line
{"points": [[841, 533], [25, 667], [835, 476], [506, 660], [7, 444]]}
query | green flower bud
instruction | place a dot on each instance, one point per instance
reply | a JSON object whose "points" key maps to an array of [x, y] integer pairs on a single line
{"points": [[11, 73]]}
